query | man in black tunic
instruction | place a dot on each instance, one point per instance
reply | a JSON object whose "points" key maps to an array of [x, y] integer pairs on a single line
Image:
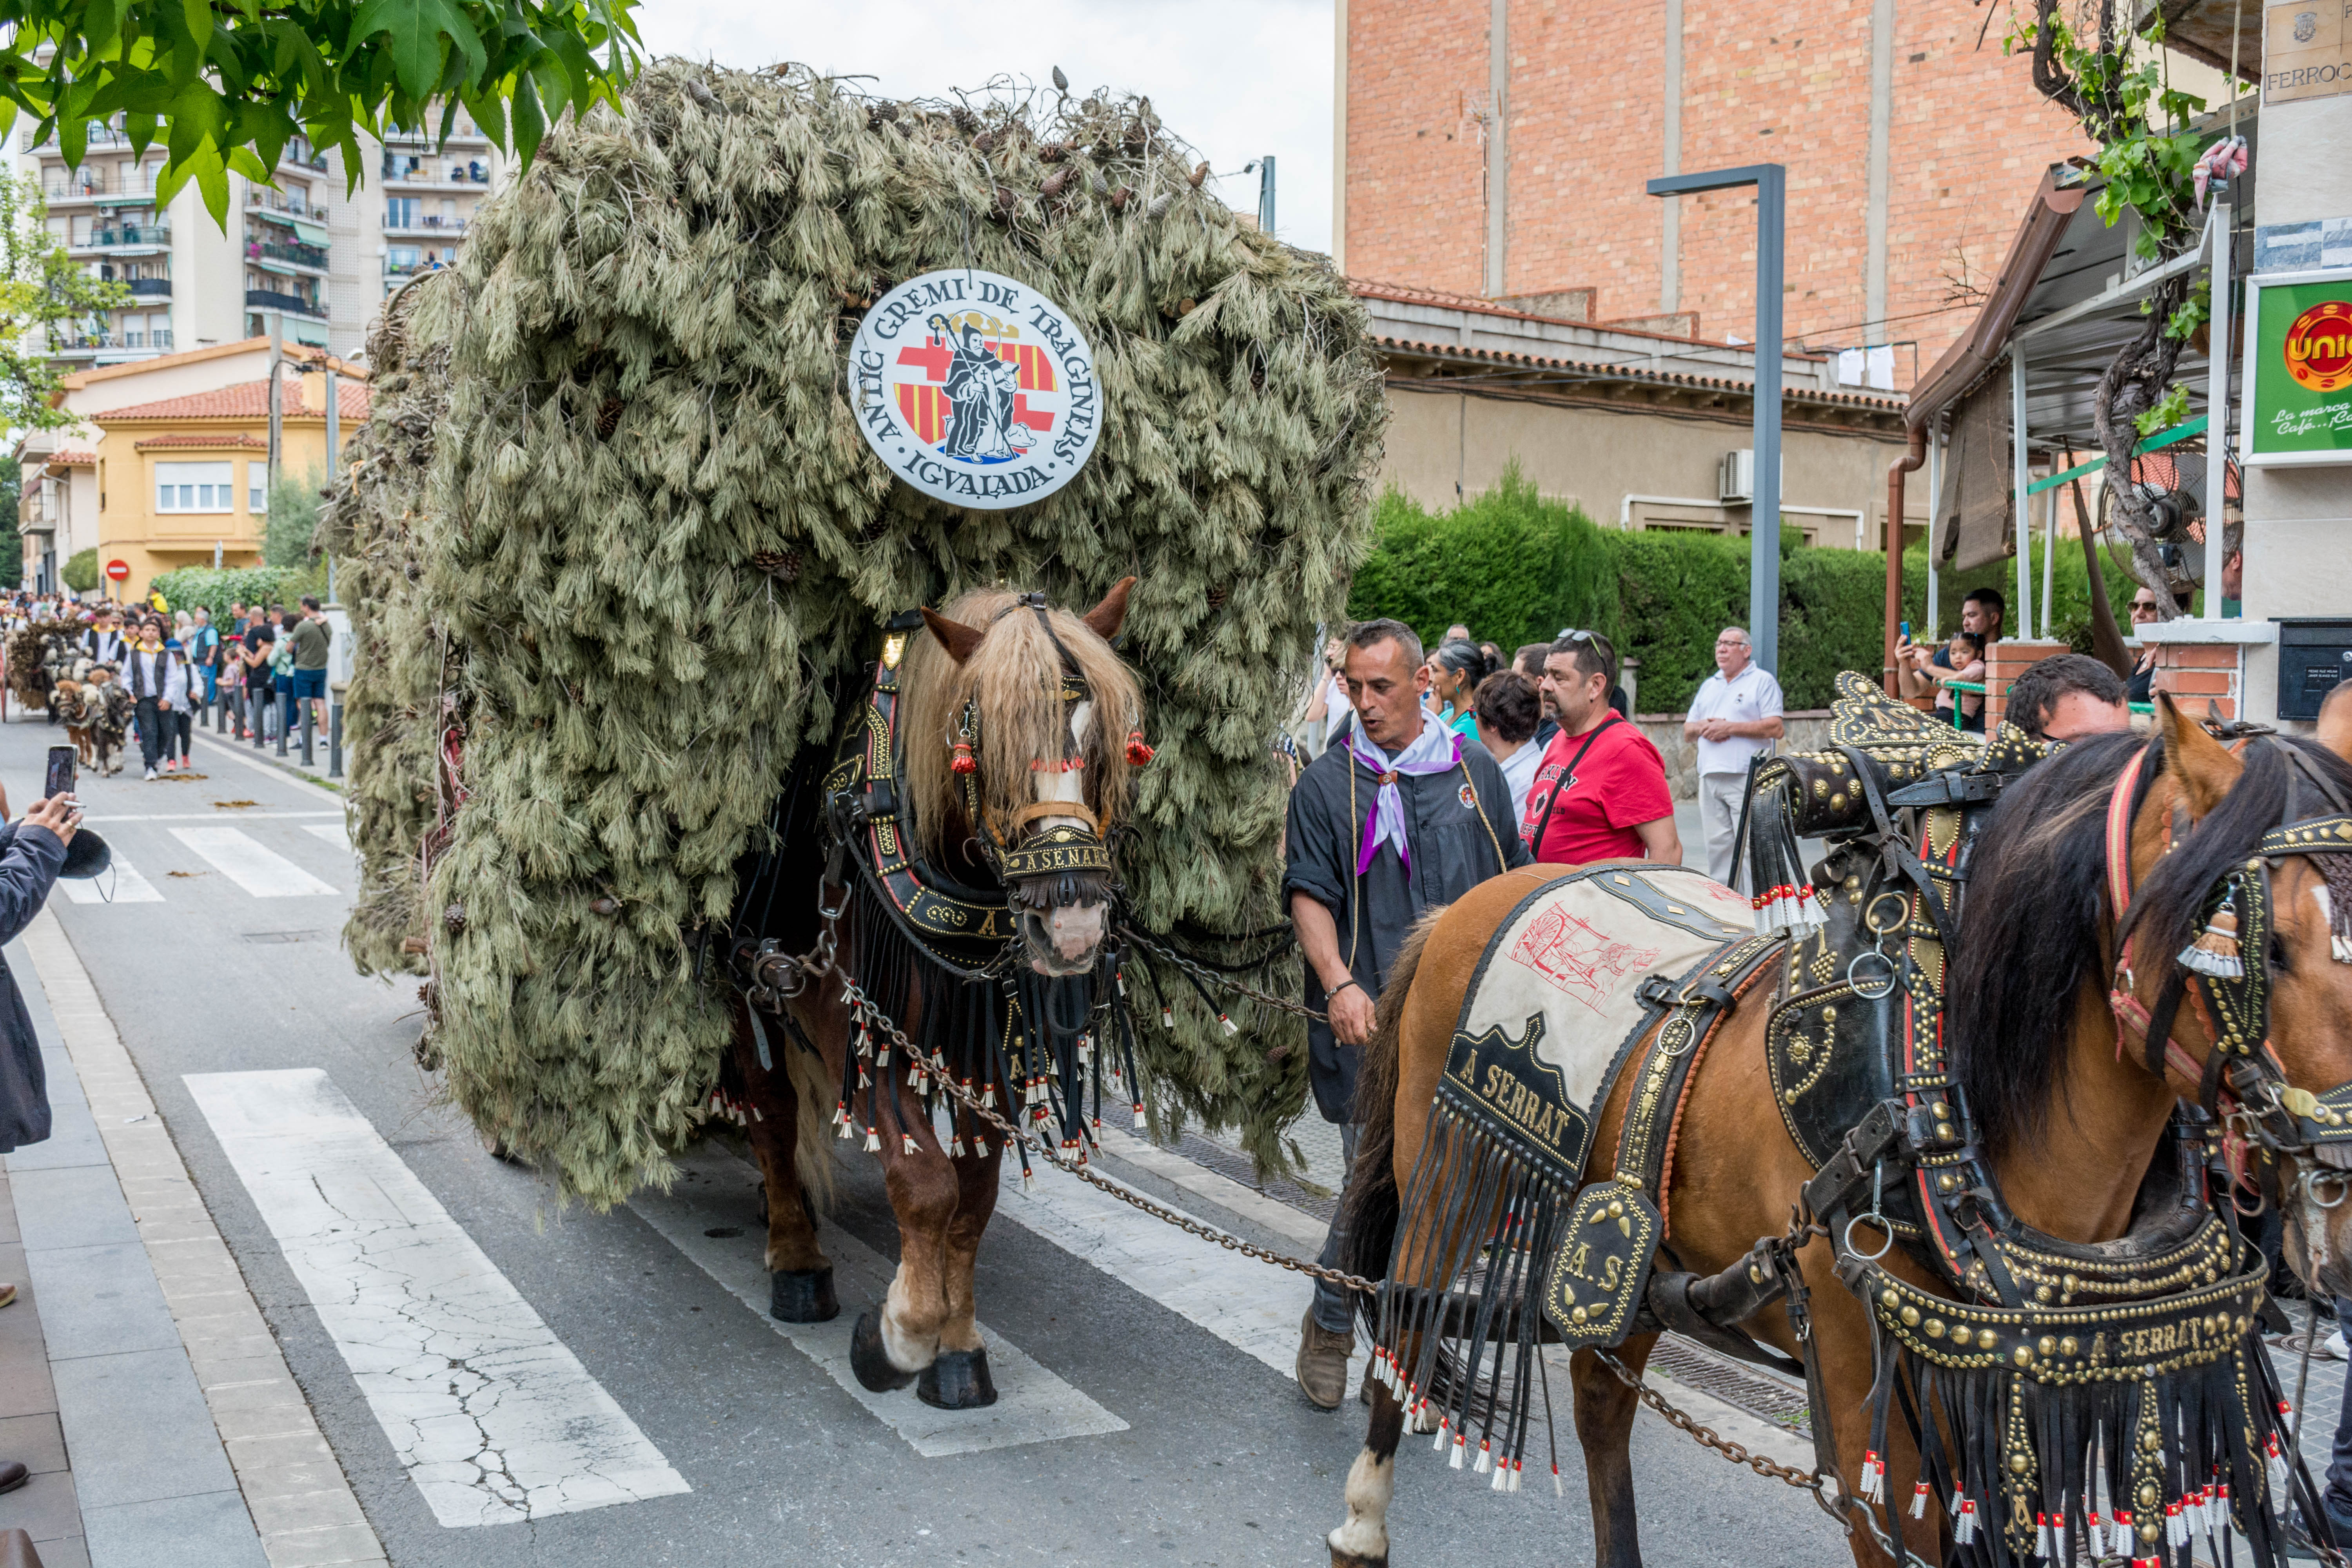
{"points": [[1397, 817]]}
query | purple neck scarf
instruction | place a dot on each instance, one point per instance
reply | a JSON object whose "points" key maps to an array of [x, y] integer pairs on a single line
{"points": [[1435, 750]]}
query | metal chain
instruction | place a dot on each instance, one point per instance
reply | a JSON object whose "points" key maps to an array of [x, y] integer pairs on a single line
{"points": [[857, 998], [1841, 1508], [1207, 977]]}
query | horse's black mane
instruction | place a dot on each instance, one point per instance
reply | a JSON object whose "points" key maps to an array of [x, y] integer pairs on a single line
{"points": [[2032, 934]]}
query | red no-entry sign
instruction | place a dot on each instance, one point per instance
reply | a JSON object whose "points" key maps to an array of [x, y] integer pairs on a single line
{"points": [[118, 570]]}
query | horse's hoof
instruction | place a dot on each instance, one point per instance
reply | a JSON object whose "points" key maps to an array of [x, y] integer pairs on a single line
{"points": [[803, 1296], [875, 1372], [958, 1380], [1345, 1559]]}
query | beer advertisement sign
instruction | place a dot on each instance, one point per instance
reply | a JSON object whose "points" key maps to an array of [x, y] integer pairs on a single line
{"points": [[2299, 369]]}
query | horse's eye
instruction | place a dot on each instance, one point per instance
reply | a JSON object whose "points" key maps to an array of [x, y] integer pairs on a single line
{"points": [[2278, 955]]}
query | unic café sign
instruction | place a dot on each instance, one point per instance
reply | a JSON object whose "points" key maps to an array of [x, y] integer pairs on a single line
{"points": [[2299, 369], [975, 389]]}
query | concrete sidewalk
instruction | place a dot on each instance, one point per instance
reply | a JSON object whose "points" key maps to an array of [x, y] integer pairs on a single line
{"points": [[137, 1377]]}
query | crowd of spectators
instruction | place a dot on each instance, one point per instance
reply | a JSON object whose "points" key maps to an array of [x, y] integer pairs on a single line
{"points": [[253, 676]]}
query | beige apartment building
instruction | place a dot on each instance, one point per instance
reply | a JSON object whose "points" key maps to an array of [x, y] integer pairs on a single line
{"points": [[297, 248]]}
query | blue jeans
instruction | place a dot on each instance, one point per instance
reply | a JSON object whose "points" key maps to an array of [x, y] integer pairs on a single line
{"points": [[2335, 1493], [1334, 1309]]}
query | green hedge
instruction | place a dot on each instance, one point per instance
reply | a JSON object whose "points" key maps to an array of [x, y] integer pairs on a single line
{"points": [[81, 571], [217, 589], [1516, 568]]}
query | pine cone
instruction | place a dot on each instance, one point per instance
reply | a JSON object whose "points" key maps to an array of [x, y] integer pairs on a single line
{"points": [[1200, 172], [1056, 183], [1061, 82], [1121, 197], [1218, 596], [454, 917], [608, 418], [1007, 204], [783, 565], [1053, 153], [965, 119], [985, 143]]}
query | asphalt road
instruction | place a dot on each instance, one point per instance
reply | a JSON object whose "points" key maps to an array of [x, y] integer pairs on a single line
{"points": [[1221, 1461]]}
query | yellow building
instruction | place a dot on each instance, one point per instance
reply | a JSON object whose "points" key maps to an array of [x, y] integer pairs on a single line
{"points": [[185, 482]]}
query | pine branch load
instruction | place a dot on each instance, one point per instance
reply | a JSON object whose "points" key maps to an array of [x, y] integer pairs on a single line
{"points": [[660, 550], [371, 525]]}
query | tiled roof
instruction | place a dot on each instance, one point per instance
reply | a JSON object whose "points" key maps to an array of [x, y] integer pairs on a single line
{"points": [[253, 442], [1587, 370], [247, 400], [196, 356], [71, 459], [1405, 294]]}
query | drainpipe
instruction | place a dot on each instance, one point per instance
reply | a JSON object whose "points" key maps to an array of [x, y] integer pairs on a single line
{"points": [[1907, 464]]}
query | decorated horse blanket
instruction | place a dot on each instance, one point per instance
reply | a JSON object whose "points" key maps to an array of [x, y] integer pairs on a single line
{"points": [[1558, 995]]}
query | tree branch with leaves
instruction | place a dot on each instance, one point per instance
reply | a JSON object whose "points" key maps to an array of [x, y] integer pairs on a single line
{"points": [[2147, 156], [226, 84], [46, 296]]}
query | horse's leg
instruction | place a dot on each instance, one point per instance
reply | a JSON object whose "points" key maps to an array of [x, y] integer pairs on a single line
{"points": [[1605, 1408], [786, 1134], [1363, 1540], [894, 1343], [959, 1379]]}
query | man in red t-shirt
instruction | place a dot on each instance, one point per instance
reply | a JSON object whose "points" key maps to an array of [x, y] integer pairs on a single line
{"points": [[1615, 804]]}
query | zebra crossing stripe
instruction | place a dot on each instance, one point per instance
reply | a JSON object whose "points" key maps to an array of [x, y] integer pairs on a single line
{"points": [[119, 883], [264, 873]]}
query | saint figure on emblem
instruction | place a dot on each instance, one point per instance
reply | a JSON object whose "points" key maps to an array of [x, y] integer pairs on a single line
{"points": [[981, 387]]}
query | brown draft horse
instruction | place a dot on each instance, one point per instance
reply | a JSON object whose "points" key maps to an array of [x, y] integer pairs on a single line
{"points": [[2071, 1122], [1049, 707]]}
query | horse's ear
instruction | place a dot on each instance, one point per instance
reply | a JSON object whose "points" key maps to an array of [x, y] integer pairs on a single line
{"points": [[1106, 618], [2336, 721], [2206, 768], [959, 640]]}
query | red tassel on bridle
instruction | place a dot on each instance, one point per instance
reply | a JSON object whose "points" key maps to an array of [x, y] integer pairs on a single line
{"points": [[963, 761], [1138, 753]]}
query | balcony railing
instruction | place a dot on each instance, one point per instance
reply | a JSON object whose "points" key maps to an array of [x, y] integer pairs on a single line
{"points": [[288, 251], [425, 223], [100, 135], [90, 184], [149, 288], [260, 198], [410, 269], [129, 234], [415, 171], [160, 338], [293, 304]]}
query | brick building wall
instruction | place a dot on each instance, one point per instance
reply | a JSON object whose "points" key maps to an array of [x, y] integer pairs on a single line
{"points": [[1584, 128]]}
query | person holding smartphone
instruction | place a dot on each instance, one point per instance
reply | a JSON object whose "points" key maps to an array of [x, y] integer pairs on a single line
{"points": [[32, 853]]}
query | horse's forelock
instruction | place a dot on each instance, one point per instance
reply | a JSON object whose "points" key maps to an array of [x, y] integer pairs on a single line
{"points": [[1013, 682]]}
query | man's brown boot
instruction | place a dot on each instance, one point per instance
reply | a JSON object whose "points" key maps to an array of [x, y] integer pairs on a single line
{"points": [[1323, 1363]]}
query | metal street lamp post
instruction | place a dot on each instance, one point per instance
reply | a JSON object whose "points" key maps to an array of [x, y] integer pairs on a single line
{"points": [[1770, 181]]}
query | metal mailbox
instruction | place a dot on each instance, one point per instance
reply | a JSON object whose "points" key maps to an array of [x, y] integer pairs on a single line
{"points": [[2314, 655]]}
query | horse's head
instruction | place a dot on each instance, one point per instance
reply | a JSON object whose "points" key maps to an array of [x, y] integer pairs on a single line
{"points": [[2245, 856], [1023, 733]]}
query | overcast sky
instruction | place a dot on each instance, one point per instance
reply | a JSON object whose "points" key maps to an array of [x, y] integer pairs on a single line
{"points": [[1237, 79]]}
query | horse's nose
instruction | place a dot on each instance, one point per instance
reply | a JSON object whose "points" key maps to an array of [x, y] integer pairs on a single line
{"points": [[1075, 930]]}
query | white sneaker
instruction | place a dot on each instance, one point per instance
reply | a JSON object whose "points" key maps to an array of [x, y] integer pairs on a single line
{"points": [[151, 775], [2334, 1345]]}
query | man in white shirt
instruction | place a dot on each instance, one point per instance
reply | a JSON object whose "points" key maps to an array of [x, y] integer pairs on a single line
{"points": [[1735, 716]]}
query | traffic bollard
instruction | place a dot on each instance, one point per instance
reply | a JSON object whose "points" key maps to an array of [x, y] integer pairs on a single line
{"points": [[307, 724], [335, 741]]}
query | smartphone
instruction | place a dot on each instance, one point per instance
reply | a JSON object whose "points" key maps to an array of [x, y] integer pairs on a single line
{"points": [[1906, 631], [61, 773]]}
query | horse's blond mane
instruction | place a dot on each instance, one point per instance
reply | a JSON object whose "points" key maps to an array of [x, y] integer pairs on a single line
{"points": [[1013, 682]]}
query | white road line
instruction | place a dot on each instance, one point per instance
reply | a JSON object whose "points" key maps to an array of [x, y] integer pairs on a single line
{"points": [[1252, 1307], [121, 884], [237, 753], [717, 1191], [492, 1417], [218, 814], [264, 873], [333, 832]]}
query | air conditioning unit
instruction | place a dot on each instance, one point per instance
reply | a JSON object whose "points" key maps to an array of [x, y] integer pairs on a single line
{"points": [[1735, 476]]}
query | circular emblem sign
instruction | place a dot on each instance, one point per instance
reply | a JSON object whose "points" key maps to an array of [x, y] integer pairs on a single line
{"points": [[2319, 347], [976, 389], [118, 570]]}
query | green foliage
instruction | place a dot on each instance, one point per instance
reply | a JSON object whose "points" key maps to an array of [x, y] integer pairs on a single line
{"points": [[293, 517], [45, 295], [2169, 410], [81, 571], [659, 551], [228, 87], [12, 545], [1511, 565], [217, 589]]}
